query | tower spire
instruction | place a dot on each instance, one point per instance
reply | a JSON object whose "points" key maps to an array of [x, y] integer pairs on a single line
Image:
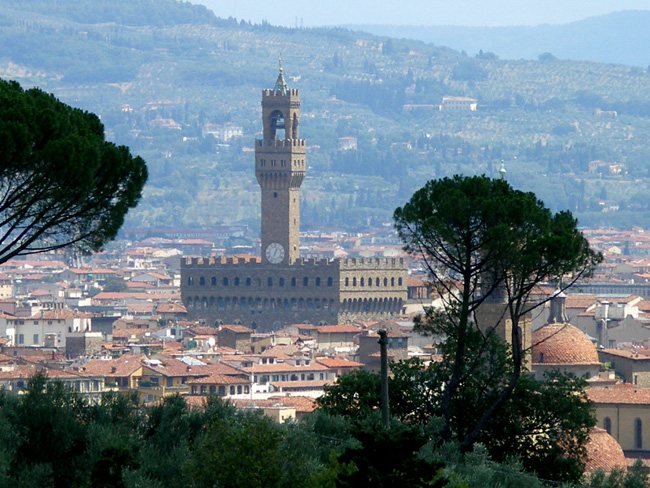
{"points": [[280, 85]]}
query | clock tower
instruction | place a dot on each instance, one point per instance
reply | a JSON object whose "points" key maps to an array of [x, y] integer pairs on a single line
{"points": [[280, 169]]}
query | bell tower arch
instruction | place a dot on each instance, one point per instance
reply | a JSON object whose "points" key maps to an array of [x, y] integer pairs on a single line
{"points": [[280, 170]]}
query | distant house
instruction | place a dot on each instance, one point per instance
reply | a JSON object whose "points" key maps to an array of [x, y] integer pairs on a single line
{"points": [[346, 143], [49, 328], [458, 104], [235, 336], [223, 133]]}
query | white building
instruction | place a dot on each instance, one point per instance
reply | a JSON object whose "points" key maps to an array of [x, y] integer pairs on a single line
{"points": [[458, 104], [48, 328]]}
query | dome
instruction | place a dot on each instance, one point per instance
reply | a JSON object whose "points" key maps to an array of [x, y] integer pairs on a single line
{"points": [[603, 452], [563, 344]]}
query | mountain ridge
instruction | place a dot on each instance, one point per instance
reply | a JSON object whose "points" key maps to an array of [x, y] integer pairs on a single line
{"points": [[598, 38]]}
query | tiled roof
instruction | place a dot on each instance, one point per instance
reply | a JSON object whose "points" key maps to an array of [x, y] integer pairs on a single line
{"points": [[219, 379], [124, 365], [624, 394], [641, 354], [316, 385], [285, 368], [339, 363], [337, 329], [580, 301], [237, 328], [562, 344], [282, 351], [171, 308], [300, 403], [603, 452]]}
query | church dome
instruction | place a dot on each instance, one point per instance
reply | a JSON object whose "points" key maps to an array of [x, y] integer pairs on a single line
{"points": [[603, 452], [562, 344]]}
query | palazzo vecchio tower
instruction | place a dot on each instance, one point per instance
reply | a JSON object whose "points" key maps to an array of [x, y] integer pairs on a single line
{"points": [[280, 170], [280, 288]]}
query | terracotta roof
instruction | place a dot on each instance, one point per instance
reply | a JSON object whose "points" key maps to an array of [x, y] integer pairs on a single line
{"points": [[219, 379], [603, 452], [124, 365], [283, 351], [640, 354], [562, 344], [580, 301], [300, 403], [285, 368], [237, 328], [624, 394], [316, 385], [171, 308], [174, 367], [132, 332], [57, 314], [334, 329], [339, 363]]}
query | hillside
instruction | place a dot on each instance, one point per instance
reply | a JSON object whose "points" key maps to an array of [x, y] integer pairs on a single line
{"points": [[619, 37], [157, 71]]}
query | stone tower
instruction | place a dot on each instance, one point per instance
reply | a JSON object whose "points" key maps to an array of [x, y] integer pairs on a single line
{"points": [[280, 169]]}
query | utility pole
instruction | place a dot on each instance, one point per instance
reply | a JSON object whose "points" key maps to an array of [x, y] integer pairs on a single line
{"points": [[383, 342]]}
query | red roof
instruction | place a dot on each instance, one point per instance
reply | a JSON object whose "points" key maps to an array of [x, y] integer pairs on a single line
{"points": [[603, 452], [624, 394], [563, 344]]}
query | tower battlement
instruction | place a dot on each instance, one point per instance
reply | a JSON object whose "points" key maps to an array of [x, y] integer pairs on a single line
{"points": [[290, 93], [280, 143], [352, 264]]}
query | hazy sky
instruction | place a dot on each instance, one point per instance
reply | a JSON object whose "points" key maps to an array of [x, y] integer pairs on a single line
{"points": [[418, 12]]}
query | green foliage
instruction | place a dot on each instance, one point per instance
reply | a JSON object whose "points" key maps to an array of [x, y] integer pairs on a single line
{"points": [[241, 451], [61, 183], [635, 477], [544, 425]]}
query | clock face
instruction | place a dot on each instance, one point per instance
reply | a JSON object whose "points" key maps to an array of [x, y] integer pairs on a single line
{"points": [[275, 253]]}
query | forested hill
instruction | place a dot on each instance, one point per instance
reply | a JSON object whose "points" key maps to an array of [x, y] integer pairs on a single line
{"points": [[618, 37], [158, 71]]}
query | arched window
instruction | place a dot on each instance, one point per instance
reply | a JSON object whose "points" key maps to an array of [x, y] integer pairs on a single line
{"points": [[213, 281], [281, 281], [305, 281], [361, 283], [225, 281], [269, 281], [248, 281], [377, 282], [318, 281], [330, 281], [237, 281], [293, 282], [354, 281], [385, 281], [638, 434], [347, 281], [392, 282], [607, 424], [190, 281], [202, 281]]}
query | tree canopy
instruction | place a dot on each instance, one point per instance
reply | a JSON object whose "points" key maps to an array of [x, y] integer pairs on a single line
{"points": [[486, 247], [61, 182]]}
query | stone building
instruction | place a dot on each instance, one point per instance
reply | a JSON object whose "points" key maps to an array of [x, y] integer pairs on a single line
{"points": [[281, 288]]}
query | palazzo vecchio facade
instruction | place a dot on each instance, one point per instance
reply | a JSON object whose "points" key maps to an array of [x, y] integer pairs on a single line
{"points": [[281, 288]]}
